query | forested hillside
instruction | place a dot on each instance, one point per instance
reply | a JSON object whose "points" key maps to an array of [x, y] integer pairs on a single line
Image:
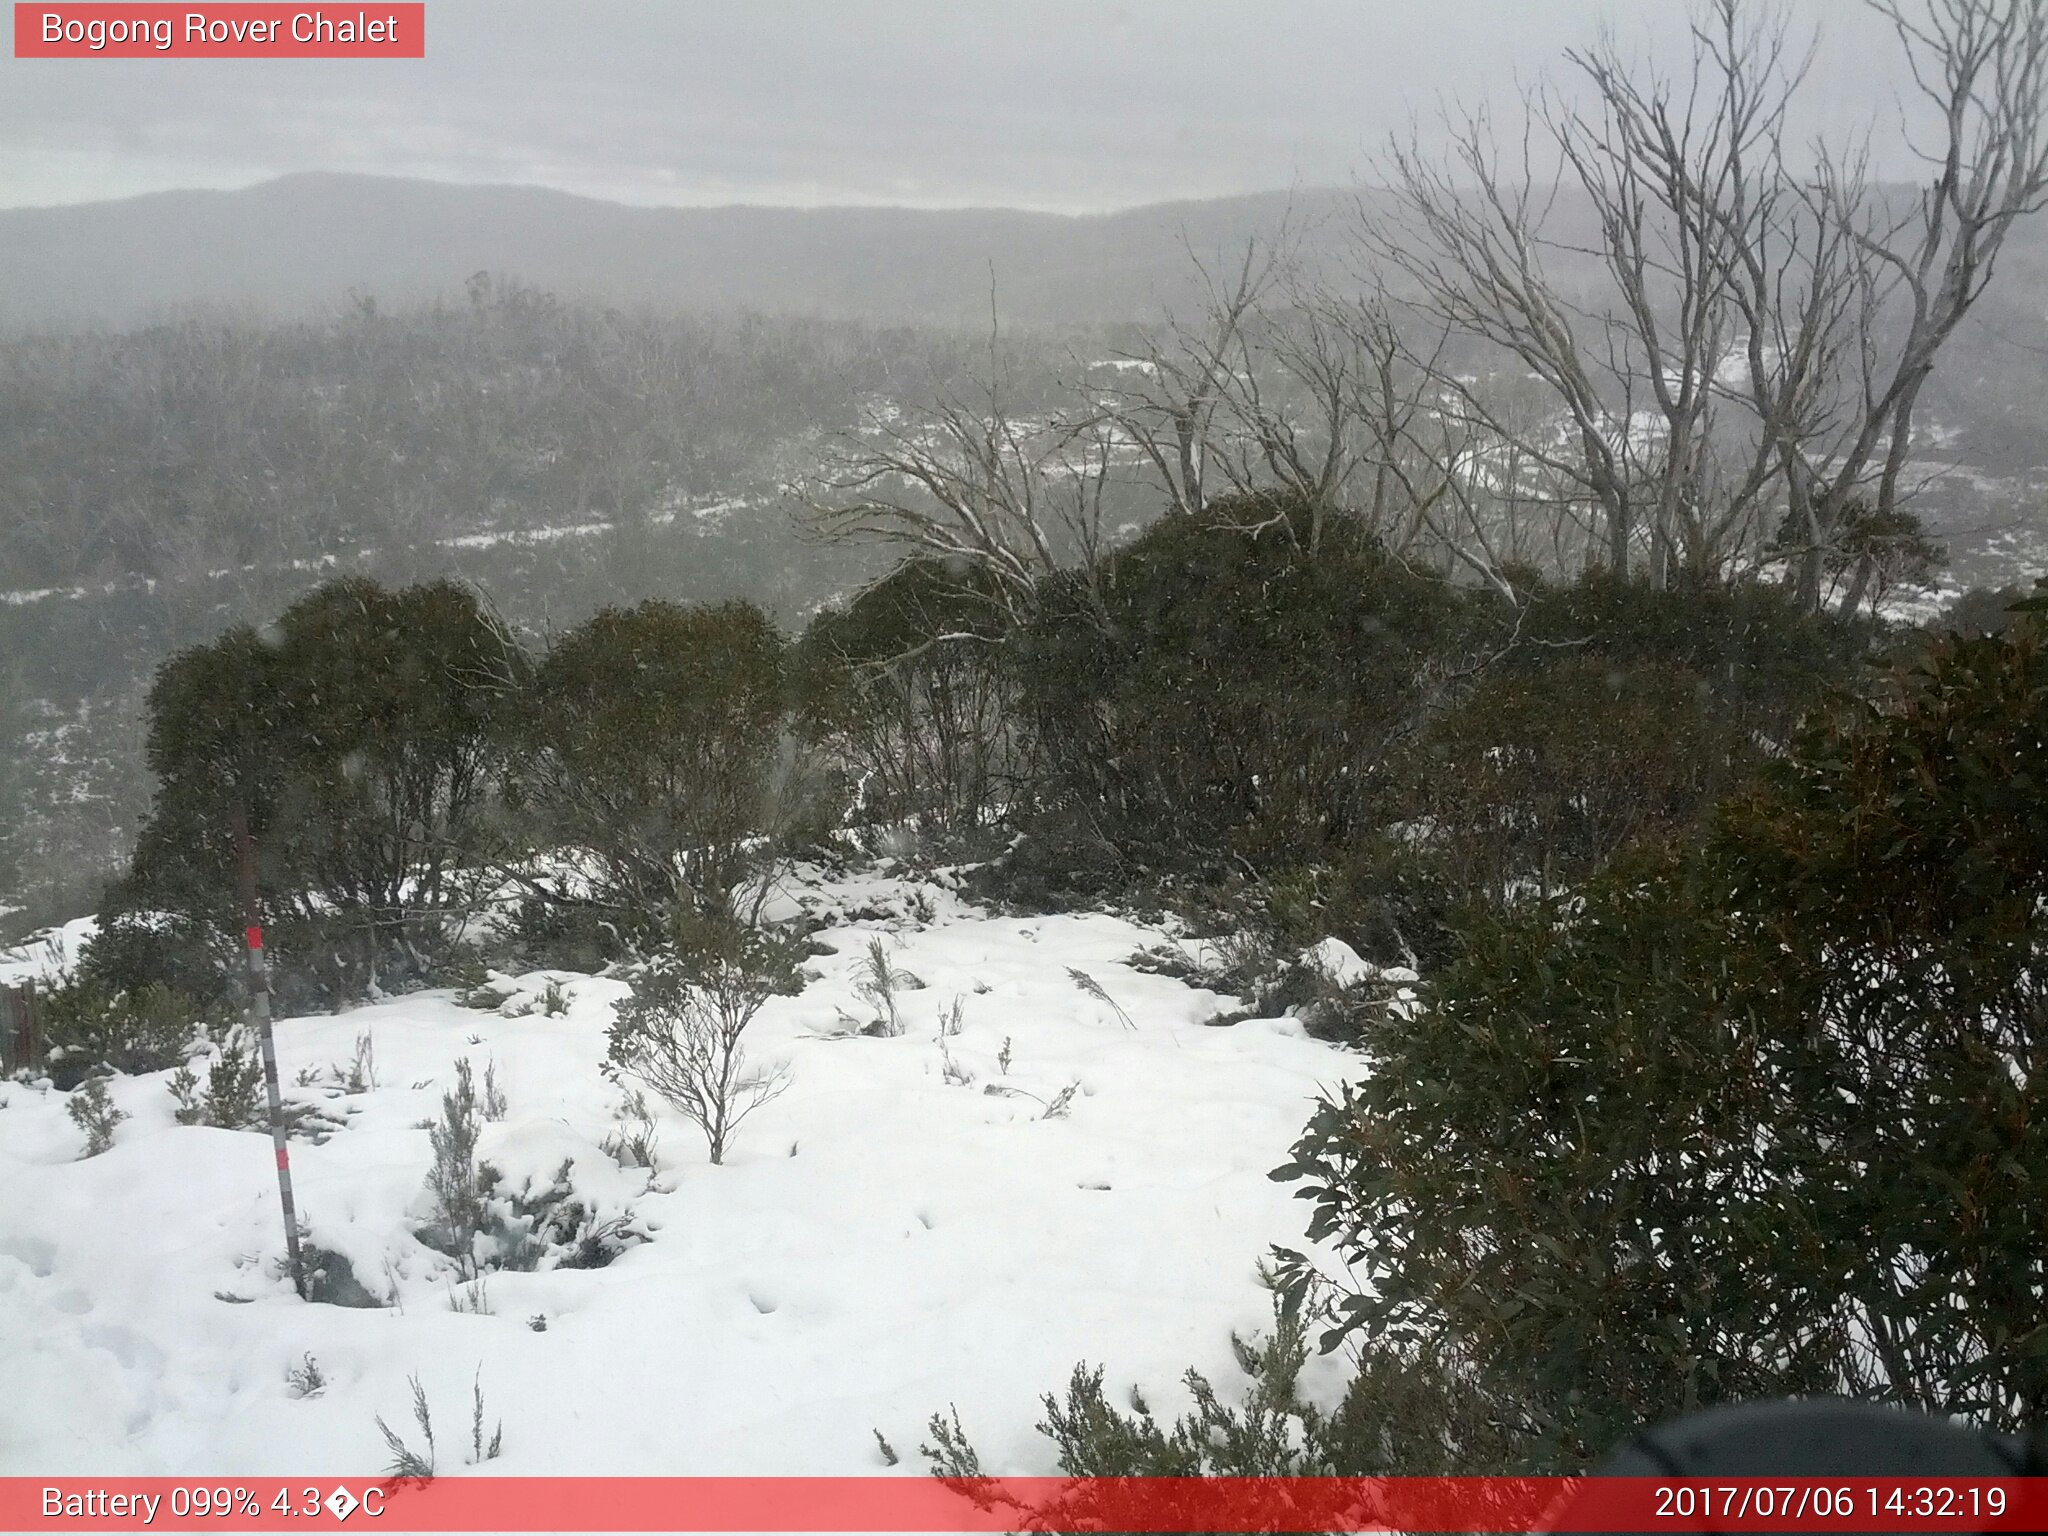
{"points": [[161, 482]]}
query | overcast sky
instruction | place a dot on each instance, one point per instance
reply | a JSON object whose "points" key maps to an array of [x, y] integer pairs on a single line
{"points": [[1067, 105]]}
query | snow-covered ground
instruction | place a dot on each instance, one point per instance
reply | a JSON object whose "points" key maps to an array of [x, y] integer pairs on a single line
{"points": [[45, 954], [882, 1242]]}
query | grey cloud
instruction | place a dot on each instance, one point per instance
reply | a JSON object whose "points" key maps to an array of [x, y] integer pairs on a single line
{"points": [[1055, 104]]}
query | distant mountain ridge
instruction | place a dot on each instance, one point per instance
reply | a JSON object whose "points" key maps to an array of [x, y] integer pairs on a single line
{"points": [[302, 243]]}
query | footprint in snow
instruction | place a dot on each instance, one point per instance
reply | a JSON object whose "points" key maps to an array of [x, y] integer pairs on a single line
{"points": [[39, 1256]]}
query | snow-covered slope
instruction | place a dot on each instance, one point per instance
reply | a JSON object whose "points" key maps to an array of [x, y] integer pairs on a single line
{"points": [[883, 1240]]}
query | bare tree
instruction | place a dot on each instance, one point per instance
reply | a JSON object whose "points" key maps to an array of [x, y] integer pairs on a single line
{"points": [[1755, 335], [1282, 382], [972, 481], [1303, 405], [1405, 442], [1981, 67], [1180, 383], [1634, 371]]}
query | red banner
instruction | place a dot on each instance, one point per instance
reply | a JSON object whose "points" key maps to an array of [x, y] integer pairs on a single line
{"points": [[921, 1504], [241, 31]]}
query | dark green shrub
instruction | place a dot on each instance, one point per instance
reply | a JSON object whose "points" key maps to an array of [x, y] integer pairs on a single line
{"points": [[457, 1184], [1756, 1117], [91, 1028], [1897, 865], [1548, 767], [141, 949], [1867, 552], [1615, 713], [1762, 660], [551, 935], [1056, 863], [92, 1110], [331, 1279], [653, 737], [362, 739], [1544, 1178], [1981, 611], [233, 1074], [1272, 1431], [1220, 689]]}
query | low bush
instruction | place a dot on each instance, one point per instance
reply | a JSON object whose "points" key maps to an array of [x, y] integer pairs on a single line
{"points": [[484, 1223], [455, 1182], [233, 1073], [131, 950], [92, 1110], [570, 935], [90, 1028], [360, 743], [651, 738], [681, 1030], [911, 686], [331, 1279], [1273, 1429]]}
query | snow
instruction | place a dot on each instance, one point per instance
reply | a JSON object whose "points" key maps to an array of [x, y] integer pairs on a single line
{"points": [[1340, 962], [882, 1242], [1347, 968], [45, 955]]}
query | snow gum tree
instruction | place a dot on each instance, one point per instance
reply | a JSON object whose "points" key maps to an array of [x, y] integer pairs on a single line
{"points": [[1763, 316]]}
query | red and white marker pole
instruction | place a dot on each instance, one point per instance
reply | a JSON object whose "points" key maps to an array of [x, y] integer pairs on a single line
{"points": [[259, 1024]]}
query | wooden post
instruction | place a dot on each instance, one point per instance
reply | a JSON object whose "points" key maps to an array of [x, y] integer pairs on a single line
{"points": [[259, 1022], [15, 1042], [21, 1035]]}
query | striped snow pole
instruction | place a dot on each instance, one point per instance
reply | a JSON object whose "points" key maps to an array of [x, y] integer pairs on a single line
{"points": [[259, 1021], [259, 1024]]}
